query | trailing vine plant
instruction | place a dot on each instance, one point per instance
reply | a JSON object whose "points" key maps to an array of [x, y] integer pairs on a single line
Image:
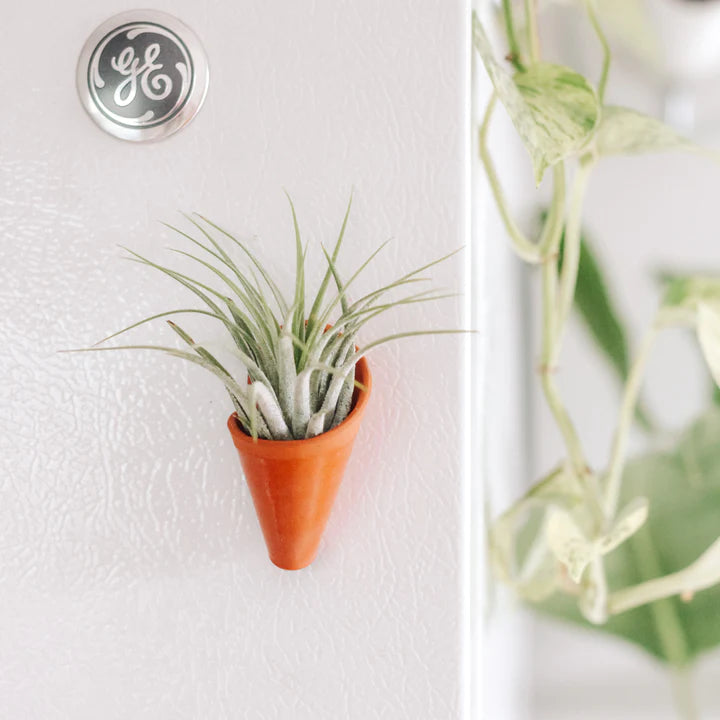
{"points": [[578, 543]]}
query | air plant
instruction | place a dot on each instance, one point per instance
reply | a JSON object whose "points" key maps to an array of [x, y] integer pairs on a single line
{"points": [[298, 365]]}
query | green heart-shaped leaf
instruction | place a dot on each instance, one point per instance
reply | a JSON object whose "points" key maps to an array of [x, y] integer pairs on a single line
{"points": [[554, 109], [626, 132]]}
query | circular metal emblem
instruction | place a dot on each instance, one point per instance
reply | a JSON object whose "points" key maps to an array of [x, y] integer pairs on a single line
{"points": [[142, 75]]}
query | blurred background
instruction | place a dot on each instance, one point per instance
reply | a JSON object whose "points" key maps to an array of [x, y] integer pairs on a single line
{"points": [[643, 215]]}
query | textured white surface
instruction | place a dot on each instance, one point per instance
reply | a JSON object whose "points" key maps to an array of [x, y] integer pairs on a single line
{"points": [[133, 577]]}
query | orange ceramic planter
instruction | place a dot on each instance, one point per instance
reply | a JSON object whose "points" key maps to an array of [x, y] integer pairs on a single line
{"points": [[294, 482]]}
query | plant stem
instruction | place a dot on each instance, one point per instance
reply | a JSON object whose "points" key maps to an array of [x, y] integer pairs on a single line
{"points": [[552, 231], [571, 249], [549, 246], [667, 623], [552, 396], [701, 574], [683, 693], [532, 29], [592, 15], [526, 249], [669, 628], [570, 437], [627, 412], [514, 55]]}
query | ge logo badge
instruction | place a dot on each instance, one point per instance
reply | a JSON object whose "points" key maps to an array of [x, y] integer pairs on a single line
{"points": [[142, 75]]}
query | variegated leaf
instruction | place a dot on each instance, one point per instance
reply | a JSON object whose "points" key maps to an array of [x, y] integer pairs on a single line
{"points": [[623, 131], [569, 544], [684, 294], [629, 521], [553, 108], [593, 603], [675, 555], [534, 576]]}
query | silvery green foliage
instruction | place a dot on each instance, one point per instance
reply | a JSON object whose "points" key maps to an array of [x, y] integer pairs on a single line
{"points": [[556, 540], [298, 361]]}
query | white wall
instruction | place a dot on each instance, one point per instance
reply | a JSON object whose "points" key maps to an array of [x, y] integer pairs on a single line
{"points": [[133, 577]]}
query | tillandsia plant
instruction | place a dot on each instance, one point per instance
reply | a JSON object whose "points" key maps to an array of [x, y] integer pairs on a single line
{"points": [[298, 359], [614, 547]]}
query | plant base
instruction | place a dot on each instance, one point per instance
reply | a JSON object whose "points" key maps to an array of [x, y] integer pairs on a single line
{"points": [[293, 483]]}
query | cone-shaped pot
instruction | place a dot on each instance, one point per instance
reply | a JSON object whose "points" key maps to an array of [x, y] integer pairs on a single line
{"points": [[294, 482]]}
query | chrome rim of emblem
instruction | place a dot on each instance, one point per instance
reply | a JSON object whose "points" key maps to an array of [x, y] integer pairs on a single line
{"points": [[142, 75]]}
